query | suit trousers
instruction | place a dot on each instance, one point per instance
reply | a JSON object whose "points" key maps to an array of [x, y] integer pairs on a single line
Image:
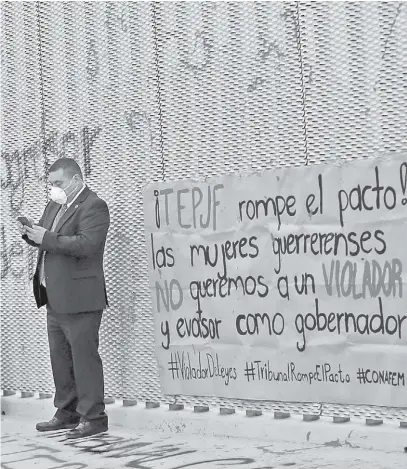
{"points": [[76, 365]]}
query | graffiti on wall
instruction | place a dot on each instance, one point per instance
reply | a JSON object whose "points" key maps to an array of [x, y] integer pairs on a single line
{"points": [[30, 163], [23, 167]]}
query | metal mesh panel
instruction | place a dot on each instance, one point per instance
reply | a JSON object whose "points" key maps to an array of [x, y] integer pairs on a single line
{"points": [[23, 334], [230, 86], [354, 62], [139, 92], [100, 103]]}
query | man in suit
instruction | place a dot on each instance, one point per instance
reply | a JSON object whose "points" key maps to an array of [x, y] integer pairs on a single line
{"points": [[70, 281]]}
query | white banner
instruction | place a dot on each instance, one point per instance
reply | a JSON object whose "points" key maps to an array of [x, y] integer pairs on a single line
{"points": [[287, 284]]}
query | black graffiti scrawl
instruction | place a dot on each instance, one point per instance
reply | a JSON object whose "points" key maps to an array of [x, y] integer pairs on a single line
{"points": [[53, 451], [30, 165], [31, 162]]}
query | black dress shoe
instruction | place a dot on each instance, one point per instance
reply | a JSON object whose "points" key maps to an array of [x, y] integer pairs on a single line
{"points": [[56, 424], [87, 429]]}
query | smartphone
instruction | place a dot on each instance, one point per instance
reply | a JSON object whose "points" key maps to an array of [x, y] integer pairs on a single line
{"points": [[25, 221]]}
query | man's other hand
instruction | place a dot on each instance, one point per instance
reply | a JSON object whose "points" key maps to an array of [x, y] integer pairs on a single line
{"points": [[21, 228], [36, 233]]}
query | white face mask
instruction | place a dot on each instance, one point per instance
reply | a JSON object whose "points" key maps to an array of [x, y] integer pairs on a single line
{"points": [[59, 195]]}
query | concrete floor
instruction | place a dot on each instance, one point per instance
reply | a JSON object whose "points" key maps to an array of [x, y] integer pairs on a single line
{"points": [[22, 447]]}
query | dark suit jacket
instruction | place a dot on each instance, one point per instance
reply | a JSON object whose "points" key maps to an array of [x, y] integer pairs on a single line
{"points": [[74, 274]]}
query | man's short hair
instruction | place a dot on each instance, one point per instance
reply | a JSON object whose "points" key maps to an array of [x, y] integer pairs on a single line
{"points": [[69, 166]]}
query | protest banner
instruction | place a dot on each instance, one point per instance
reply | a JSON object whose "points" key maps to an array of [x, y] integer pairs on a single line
{"points": [[286, 284]]}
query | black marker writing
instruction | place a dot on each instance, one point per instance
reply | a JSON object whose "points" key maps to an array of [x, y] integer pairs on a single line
{"points": [[165, 331], [303, 286], [223, 287], [347, 322], [309, 204], [252, 324], [366, 197], [347, 244], [215, 254], [277, 206], [161, 257], [403, 181], [198, 326]]}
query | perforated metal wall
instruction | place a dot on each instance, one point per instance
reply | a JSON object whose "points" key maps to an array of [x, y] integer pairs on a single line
{"points": [[150, 91]]}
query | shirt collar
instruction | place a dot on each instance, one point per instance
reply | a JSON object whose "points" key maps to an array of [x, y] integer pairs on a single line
{"points": [[76, 196]]}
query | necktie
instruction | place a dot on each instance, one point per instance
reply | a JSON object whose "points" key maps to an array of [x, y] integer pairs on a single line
{"points": [[58, 216]]}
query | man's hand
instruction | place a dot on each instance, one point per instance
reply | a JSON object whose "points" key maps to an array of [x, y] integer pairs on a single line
{"points": [[36, 233]]}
